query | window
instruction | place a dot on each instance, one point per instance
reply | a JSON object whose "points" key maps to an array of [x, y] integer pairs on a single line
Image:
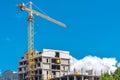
{"points": [[57, 67], [36, 60], [22, 57], [36, 72], [53, 67], [47, 60], [20, 63], [40, 59], [40, 71], [36, 78], [53, 72], [40, 52], [57, 54], [47, 72], [25, 75], [20, 69], [53, 61], [38, 64], [24, 62]]}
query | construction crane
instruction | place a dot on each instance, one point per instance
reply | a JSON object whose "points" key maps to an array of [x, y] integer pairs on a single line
{"points": [[30, 54]]}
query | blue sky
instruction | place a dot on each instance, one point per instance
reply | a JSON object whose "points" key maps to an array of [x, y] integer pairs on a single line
{"points": [[93, 28]]}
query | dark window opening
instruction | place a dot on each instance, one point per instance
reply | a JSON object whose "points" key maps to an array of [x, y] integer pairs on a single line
{"points": [[57, 54], [20, 69], [25, 75], [20, 63], [53, 67], [47, 60], [38, 64], [40, 71], [40, 59], [57, 67], [22, 57], [47, 72], [40, 52], [36, 60], [24, 62], [36, 72], [36, 78], [53, 72], [54, 60]]}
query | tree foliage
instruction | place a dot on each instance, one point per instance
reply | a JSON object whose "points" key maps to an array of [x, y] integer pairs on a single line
{"points": [[106, 76], [117, 74], [112, 76]]}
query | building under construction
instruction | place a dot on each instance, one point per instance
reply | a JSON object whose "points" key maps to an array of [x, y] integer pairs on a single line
{"points": [[45, 65], [77, 77], [51, 65], [48, 64]]}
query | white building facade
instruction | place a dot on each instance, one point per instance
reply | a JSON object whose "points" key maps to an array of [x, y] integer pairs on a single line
{"points": [[48, 64]]}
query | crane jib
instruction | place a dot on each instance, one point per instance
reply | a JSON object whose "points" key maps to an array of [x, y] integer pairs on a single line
{"points": [[45, 17]]}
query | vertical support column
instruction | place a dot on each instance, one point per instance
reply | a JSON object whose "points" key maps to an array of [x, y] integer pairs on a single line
{"points": [[38, 78], [22, 76], [67, 77], [92, 77], [75, 77], [60, 78], [82, 77]]}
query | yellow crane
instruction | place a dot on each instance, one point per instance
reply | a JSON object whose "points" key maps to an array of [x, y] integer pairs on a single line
{"points": [[30, 54]]}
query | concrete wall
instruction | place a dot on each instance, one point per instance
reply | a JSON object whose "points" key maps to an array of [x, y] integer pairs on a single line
{"points": [[43, 62]]}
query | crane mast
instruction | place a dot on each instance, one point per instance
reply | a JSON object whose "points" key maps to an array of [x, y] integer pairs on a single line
{"points": [[30, 29], [30, 53]]}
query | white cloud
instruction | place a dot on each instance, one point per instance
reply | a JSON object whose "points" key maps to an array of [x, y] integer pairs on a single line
{"points": [[93, 63], [14, 72], [118, 65], [73, 60]]}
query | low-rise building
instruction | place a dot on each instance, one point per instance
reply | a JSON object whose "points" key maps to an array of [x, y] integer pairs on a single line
{"points": [[77, 77], [9, 75]]}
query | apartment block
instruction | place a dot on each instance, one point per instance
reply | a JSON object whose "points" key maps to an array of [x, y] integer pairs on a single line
{"points": [[48, 64]]}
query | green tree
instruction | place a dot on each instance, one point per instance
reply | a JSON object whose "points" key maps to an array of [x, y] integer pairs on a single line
{"points": [[112, 76], [106, 76], [116, 74]]}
